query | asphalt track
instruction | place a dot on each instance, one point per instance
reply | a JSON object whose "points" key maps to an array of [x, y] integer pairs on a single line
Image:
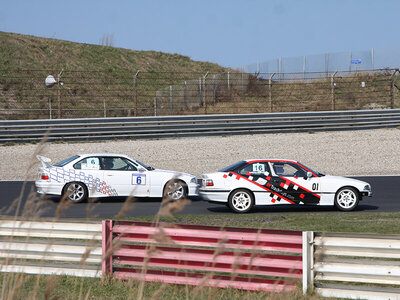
{"points": [[17, 198]]}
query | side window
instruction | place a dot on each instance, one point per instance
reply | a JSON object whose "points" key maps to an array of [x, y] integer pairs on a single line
{"points": [[288, 169], [89, 163], [255, 168], [117, 164]]}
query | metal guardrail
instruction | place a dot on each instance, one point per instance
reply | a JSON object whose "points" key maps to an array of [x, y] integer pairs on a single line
{"points": [[367, 265], [203, 255], [194, 125], [62, 248]]}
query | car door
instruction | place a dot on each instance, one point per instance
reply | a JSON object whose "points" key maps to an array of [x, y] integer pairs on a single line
{"points": [[125, 176], [290, 180], [88, 171]]}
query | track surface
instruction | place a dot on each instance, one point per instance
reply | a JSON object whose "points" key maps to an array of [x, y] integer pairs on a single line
{"points": [[385, 199]]}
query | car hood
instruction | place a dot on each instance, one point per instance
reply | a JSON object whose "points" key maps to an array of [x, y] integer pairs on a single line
{"points": [[344, 180], [173, 173]]}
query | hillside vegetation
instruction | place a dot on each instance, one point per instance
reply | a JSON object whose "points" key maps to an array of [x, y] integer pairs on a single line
{"points": [[25, 52], [104, 81]]}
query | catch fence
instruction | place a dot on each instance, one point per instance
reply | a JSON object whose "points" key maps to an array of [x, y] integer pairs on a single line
{"points": [[123, 93]]}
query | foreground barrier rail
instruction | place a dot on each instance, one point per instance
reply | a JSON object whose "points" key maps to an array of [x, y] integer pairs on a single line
{"points": [[62, 248], [196, 125], [358, 266], [220, 256]]}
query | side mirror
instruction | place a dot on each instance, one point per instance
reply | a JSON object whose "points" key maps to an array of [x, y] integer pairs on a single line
{"points": [[309, 175], [141, 170]]}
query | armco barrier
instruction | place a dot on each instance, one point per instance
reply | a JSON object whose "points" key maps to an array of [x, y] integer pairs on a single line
{"points": [[361, 266], [364, 266], [62, 248], [196, 125], [221, 257]]}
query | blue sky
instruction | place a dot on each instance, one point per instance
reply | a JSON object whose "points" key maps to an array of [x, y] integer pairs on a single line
{"points": [[231, 33]]}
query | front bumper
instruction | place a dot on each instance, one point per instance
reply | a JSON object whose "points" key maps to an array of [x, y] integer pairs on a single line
{"points": [[193, 189], [366, 193], [214, 195]]}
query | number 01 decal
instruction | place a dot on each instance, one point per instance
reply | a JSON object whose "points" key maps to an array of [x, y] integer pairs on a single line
{"points": [[138, 179], [315, 186]]}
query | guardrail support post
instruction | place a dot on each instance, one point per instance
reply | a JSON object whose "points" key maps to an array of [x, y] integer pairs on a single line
{"points": [[106, 247], [308, 260]]}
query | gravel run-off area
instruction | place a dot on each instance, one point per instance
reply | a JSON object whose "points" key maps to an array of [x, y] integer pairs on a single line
{"points": [[363, 152]]}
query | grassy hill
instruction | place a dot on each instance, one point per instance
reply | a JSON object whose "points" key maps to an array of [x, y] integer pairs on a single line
{"points": [[100, 81], [19, 51]]}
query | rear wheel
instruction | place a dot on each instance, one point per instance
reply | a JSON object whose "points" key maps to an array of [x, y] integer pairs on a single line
{"points": [[241, 201], [347, 198], [76, 192]]}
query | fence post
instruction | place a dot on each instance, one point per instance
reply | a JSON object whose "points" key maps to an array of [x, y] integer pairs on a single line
{"points": [[106, 247], [155, 106], [135, 94], [200, 92], [205, 93], [393, 90], [185, 96], [229, 83], [333, 84], [214, 88], [59, 83], [50, 108], [170, 97], [308, 260], [270, 91], [242, 84]]}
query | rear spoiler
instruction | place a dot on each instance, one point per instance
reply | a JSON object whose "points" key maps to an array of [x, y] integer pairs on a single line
{"points": [[44, 160]]}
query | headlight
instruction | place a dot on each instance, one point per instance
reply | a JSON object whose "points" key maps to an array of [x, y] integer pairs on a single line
{"points": [[193, 180], [367, 187]]}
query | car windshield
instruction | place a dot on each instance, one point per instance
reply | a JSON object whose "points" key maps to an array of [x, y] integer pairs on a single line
{"points": [[312, 171], [66, 161], [146, 167], [232, 167]]}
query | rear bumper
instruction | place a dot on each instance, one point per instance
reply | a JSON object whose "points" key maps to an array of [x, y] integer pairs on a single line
{"points": [[48, 187]]}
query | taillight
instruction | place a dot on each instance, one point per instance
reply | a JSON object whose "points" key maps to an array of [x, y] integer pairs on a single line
{"points": [[209, 182], [44, 177]]}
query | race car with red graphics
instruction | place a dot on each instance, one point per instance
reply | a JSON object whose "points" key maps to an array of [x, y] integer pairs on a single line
{"points": [[279, 181], [106, 175]]}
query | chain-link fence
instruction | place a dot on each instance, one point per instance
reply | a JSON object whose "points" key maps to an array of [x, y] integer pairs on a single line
{"points": [[327, 63], [120, 93]]}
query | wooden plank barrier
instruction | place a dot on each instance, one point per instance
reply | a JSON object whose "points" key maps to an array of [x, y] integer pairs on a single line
{"points": [[243, 258]]}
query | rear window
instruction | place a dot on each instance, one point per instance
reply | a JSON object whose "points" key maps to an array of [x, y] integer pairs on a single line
{"points": [[232, 167], [66, 161]]}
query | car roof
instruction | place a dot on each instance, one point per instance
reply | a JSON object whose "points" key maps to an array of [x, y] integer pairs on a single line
{"points": [[270, 159], [104, 154]]}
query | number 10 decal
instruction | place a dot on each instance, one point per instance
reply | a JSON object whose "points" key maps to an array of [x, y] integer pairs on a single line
{"points": [[315, 186], [138, 179]]}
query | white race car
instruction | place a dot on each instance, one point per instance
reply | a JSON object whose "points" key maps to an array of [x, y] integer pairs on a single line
{"points": [[271, 181], [105, 175]]}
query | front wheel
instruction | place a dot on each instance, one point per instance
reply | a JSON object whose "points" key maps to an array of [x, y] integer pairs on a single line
{"points": [[76, 192], [347, 199], [241, 201], [175, 190]]}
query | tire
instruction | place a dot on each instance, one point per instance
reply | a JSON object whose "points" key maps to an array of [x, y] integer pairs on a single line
{"points": [[175, 190], [347, 198], [241, 201], [76, 192]]}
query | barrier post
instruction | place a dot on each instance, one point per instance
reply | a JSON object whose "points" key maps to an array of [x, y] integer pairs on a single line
{"points": [[308, 260], [106, 247]]}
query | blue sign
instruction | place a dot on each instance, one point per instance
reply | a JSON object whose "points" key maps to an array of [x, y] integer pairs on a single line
{"points": [[356, 61]]}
